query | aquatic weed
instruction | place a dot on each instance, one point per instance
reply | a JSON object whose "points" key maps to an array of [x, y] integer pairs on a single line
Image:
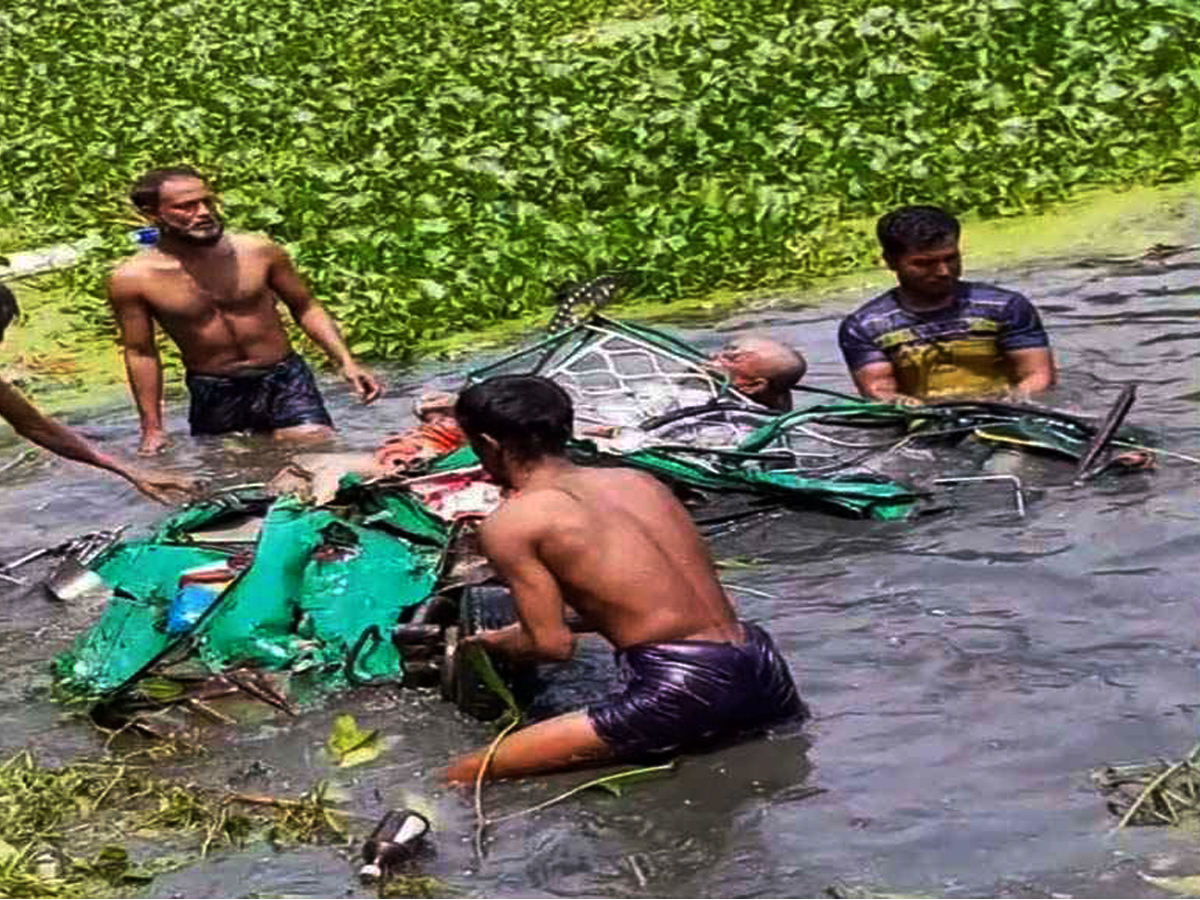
{"points": [[514, 143], [1158, 793], [63, 827]]}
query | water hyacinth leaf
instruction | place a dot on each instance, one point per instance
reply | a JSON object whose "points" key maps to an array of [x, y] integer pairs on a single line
{"points": [[432, 289], [514, 137], [349, 746]]}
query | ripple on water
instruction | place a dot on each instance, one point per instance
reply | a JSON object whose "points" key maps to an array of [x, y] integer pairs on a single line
{"points": [[965, 671]]}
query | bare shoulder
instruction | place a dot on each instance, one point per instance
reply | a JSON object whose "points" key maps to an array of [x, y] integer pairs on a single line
{"points": [[512, 526], [525, 511], [257, 245], [128, 278], [628, 479], [527, 516], [133, 267]]}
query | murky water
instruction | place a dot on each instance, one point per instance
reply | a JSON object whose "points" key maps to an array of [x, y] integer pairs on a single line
{"points": [[966, 671]]}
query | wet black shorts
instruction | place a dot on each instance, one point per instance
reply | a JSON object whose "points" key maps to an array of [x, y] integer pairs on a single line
{"points": [[683, 694], [278, 396]]}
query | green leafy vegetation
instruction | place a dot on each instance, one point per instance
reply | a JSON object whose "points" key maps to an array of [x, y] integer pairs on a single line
{"points": [[64, 828], [436, 164]]}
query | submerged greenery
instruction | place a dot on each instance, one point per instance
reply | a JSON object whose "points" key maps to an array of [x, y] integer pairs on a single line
{"points": [[436, 164], [63, 830], [1156, 793]]}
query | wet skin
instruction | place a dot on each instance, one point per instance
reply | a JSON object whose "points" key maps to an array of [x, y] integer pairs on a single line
{"points": [[215, 295], [27, 421], [619, 549]]}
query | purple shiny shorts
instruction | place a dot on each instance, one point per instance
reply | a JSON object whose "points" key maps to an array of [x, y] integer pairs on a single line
{"points": [[685, 694]]}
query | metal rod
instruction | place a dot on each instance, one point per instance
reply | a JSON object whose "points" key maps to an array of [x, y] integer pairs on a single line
{"points": [[27, 558], [1105, 433]]}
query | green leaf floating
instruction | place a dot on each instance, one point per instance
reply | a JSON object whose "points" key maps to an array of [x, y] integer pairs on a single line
{"points": [[350, 746]]}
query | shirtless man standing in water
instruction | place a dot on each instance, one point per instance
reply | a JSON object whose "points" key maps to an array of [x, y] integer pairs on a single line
{"points": [[215, 295], [619, 549]]}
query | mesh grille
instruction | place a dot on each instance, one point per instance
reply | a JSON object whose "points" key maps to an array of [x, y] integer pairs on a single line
{"points": [[616, 381]]}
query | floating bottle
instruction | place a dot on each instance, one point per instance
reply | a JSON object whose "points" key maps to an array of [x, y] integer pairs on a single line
{"points": [[394, 840]]}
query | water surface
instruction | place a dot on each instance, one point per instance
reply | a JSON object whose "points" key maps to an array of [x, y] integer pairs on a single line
{"points": [[966, 671]]}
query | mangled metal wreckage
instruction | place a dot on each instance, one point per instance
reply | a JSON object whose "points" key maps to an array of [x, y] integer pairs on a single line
{"points": [[282, 600]]}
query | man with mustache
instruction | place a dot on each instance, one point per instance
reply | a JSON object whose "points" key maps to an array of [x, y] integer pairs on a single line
{"points": [[934, 335], [214, 294]]}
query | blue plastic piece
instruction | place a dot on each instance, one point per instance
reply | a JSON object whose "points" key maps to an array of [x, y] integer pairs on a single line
{"points": [[192, 601]]}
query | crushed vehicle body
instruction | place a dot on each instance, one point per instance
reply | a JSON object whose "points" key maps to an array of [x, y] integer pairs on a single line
{"points": [[284, 600]]}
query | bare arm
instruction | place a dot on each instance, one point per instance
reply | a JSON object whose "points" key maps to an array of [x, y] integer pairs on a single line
{"points": [[877, 381], [57, 438], [286, 282], [32, 425], [1030, 371], [142, 362], [542, 633]]}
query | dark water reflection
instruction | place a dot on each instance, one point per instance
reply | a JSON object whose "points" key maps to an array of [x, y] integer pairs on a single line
{"points": [[966, 671]]}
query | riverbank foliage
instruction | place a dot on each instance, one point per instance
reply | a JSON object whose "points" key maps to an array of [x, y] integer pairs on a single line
{"points": [[435, 165]]}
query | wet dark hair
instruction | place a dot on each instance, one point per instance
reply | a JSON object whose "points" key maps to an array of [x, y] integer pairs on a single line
{"points": [[8, 308], [527, 415], [144, 193], [912, 228]]}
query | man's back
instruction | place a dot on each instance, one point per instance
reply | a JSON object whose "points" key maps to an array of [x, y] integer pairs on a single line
{"points": [[619, 548], [625, 554]]}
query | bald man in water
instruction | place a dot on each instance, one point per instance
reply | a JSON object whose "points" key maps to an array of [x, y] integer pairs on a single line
{"points": [[763, 369]]}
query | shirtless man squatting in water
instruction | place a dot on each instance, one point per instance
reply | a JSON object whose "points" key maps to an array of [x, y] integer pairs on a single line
{"points": [[621, 551], [214, 294]]}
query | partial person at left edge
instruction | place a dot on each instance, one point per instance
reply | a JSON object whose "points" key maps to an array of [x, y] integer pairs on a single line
{"points": [[215, 294], [32, 425]]}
